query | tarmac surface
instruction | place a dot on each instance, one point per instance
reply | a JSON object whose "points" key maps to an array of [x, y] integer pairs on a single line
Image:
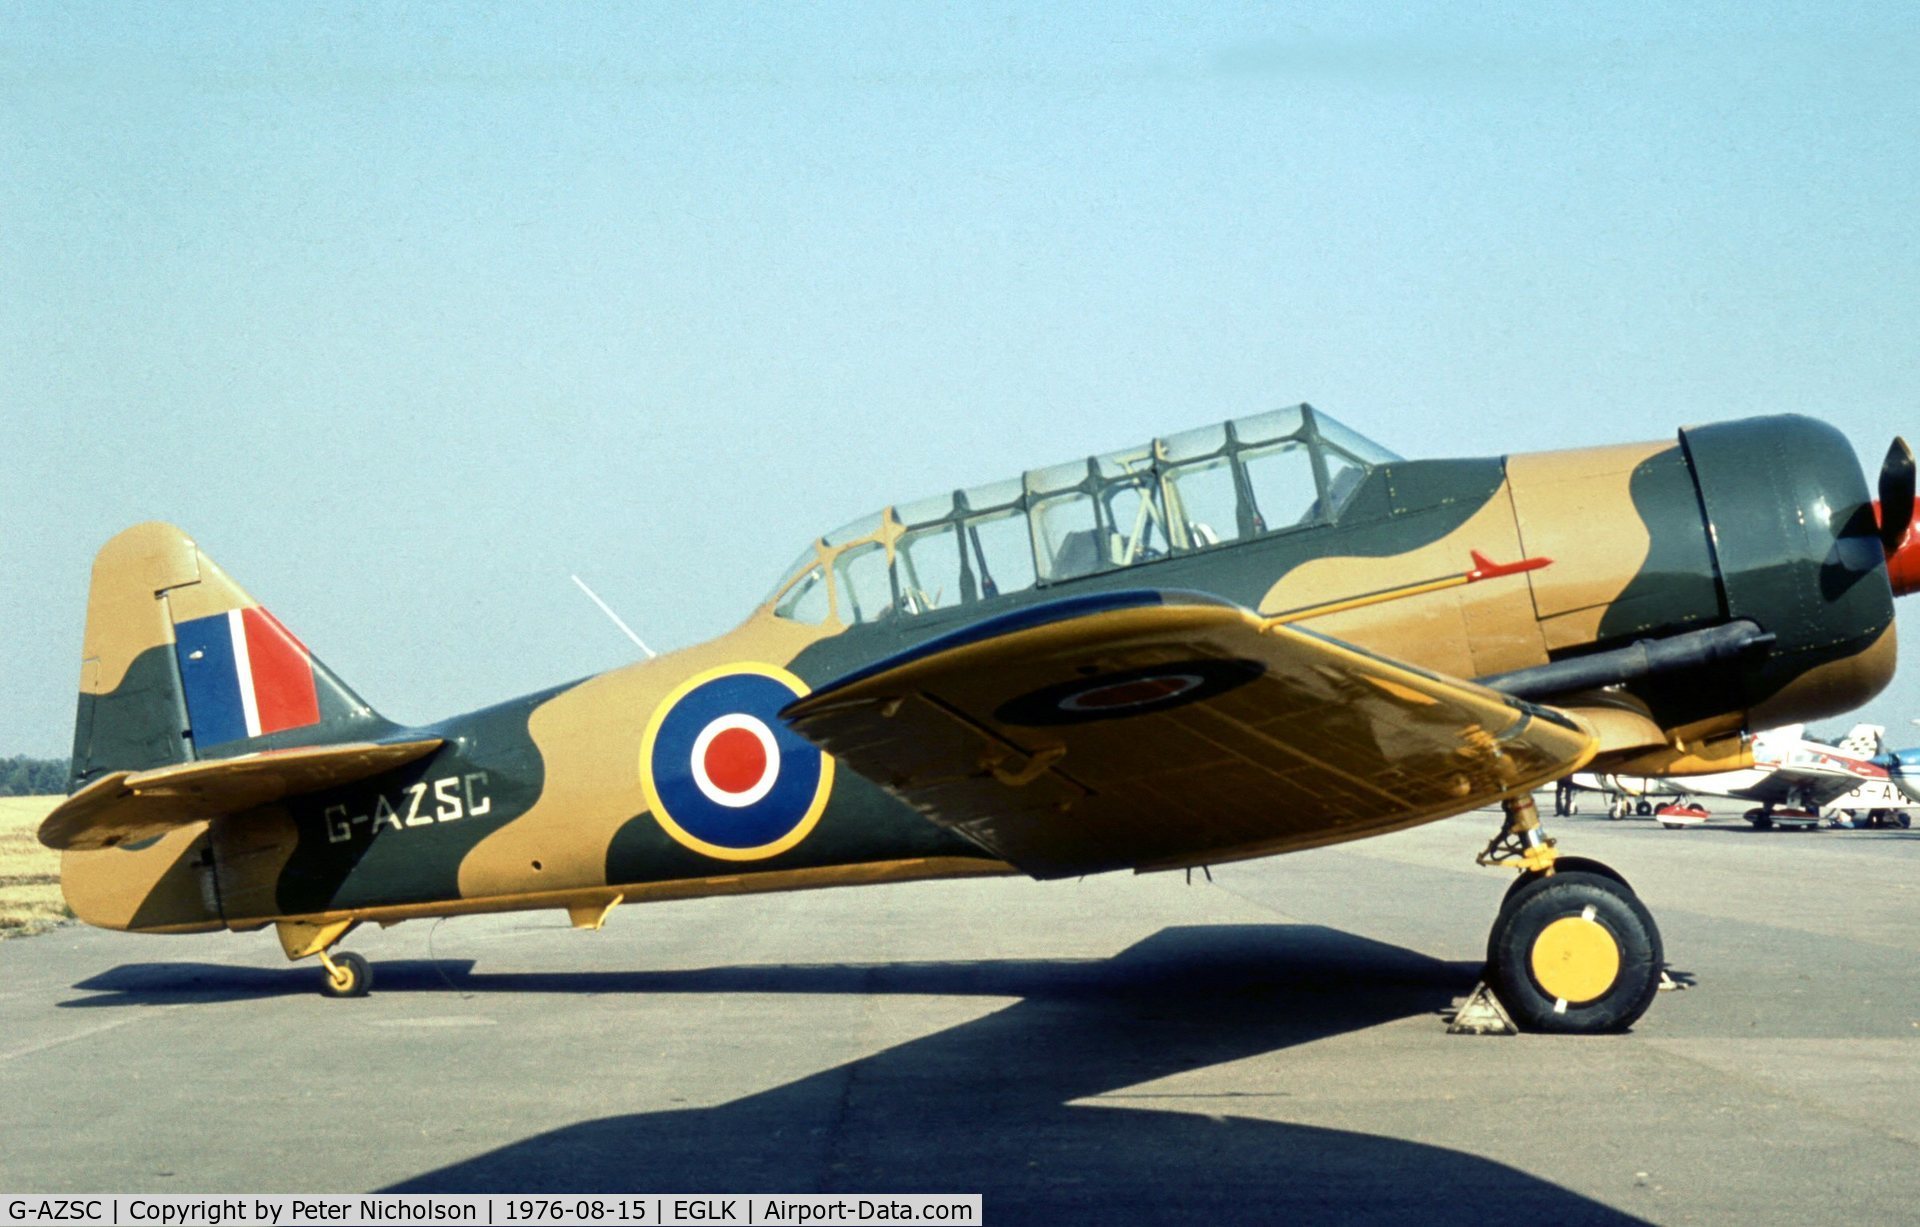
{"points": [[1268, 1045]]}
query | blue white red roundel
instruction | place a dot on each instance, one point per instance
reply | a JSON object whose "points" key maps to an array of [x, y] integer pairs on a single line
{"points": [[1120, 694], [1150, 690], [723, 773]]}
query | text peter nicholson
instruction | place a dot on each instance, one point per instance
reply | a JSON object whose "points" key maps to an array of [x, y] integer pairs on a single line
{"points": [[666, 1210]]}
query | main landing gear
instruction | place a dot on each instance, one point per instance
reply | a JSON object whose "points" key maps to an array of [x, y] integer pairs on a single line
{"points": [[347, 974], [1573, 949], [1766, 817]]}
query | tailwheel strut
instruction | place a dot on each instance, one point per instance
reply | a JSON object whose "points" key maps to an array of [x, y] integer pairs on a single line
{"points": [[1573, 949]]}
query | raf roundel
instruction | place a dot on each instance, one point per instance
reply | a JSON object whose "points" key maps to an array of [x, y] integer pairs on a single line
{"points": [[723, 773], [1129, 692], [1151, 690]]}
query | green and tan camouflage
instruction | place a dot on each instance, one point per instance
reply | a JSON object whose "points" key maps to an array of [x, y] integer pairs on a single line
{"points": [[1659, 598]]}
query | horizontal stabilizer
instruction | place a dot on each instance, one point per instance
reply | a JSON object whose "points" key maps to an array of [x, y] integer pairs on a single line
{"points": [[128, 806]]}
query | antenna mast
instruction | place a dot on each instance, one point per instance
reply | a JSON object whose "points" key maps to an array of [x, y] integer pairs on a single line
{"points": [[608, 610]]}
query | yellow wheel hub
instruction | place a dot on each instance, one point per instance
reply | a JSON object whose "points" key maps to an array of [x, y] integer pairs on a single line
{"points": [[1575, 959]]}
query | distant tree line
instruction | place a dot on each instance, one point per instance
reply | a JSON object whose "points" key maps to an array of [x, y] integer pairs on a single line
{"points": [[32, 777]]}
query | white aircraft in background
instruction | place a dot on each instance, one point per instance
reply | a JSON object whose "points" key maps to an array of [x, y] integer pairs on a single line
{"points": [[1793, 778]]}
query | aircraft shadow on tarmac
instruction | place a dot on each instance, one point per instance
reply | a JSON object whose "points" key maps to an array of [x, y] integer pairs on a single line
{"points": [[989, 1106]]}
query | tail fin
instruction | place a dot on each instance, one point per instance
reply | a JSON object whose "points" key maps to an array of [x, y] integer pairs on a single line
{"points": [[1865, 739], [180, 664]]}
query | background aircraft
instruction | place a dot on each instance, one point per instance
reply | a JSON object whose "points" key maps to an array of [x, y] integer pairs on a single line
{"points": [[1903, 767], [1249, 638], [1793, 779]]}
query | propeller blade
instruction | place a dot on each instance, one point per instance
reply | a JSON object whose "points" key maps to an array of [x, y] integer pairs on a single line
{"points": [[1896, 495]]}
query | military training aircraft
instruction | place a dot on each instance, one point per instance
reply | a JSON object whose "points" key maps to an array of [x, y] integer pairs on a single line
{"points": [[1255, 637]]}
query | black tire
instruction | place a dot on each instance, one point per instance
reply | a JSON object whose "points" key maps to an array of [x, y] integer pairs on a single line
{"points": [[1643, 807], [1564, 864], [1589, 922], [356, 977], [1761, 820]]}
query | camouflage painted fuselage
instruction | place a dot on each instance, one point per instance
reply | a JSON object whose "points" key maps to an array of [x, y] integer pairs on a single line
{"points": [[547, 800]]}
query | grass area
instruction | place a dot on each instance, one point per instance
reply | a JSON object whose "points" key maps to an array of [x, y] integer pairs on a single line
{"points": [[29, 874]]}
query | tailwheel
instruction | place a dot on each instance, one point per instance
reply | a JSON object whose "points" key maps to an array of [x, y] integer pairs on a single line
{"points": [[1575, 952], [347, 975]]}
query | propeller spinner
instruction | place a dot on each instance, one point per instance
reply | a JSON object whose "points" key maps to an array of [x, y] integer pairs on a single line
{"points": [[1898, 533]]}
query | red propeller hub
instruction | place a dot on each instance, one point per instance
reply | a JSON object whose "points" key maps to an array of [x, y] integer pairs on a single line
{"points": [[1903, 561]]}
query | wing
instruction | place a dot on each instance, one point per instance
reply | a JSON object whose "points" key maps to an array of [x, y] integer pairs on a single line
{"points": [[1821, 789], [126, 807], [1152, 730], [1770, 789], [1810, 776]]}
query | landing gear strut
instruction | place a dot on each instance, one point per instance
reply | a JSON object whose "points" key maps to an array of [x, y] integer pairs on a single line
{"points": [[1573, 949]]}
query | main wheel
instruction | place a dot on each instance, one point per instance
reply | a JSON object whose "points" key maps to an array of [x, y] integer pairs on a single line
{"points": [[1643, 807], [1575, 952], [1563, 864], [1761, 819], [352, 977]]}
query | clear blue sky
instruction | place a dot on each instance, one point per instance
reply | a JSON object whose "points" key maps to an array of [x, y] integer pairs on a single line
{"points": [[405, 312]]}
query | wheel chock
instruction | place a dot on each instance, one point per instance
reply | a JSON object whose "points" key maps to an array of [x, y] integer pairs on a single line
{"points": [[1481, 1014]]}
